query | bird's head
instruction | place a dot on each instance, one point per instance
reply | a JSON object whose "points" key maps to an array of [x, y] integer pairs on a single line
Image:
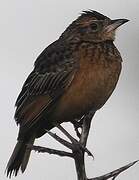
{"points": [[92, 26]]}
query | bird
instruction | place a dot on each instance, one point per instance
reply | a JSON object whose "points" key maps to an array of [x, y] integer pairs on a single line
{"points": [[74, 75]]}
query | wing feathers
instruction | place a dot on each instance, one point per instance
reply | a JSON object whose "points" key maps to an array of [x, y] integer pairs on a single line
{"points": [[50, 78]]}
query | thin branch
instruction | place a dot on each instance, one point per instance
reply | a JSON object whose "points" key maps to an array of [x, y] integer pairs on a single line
{"points": [[60, 140], [75, 144], [114, 173], [41, 149], [73, 140]]}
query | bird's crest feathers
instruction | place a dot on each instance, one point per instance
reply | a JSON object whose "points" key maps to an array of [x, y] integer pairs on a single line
{"points": [[92, 13]]}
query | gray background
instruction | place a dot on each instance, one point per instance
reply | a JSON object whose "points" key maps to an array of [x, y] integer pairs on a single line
{"points": [[26, 28]]}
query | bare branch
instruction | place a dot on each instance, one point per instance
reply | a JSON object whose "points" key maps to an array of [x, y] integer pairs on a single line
{"points": [[73, 140], [75, 144], [50, 151], [114, 173], [60, 140]]}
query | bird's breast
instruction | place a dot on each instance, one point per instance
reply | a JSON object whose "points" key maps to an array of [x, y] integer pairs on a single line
{"points": [[92, 85]]}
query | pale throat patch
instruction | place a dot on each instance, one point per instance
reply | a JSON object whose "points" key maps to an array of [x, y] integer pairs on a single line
{"points": [[111, 35]]}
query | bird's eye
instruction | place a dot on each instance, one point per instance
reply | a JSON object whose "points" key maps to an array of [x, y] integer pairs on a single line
{"points": [[94, 27]]}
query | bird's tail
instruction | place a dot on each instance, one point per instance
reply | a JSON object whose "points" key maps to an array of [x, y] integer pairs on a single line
{"points": [[19, 157]]}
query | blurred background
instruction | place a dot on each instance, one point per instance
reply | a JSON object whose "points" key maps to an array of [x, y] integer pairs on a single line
{"points": [[26, 28]]}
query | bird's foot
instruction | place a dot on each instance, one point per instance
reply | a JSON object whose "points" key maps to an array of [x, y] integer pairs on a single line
{"points": [[77, 123]]}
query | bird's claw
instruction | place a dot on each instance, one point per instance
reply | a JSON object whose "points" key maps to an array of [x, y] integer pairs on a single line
{"points": [[77, 123]]}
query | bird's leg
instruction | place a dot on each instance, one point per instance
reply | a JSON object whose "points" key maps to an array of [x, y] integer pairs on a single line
{"points": [[84, 124], [77, 123], [86, 127]]}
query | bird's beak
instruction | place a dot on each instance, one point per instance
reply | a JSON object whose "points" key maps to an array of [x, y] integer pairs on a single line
{"points": [[114, 24]]}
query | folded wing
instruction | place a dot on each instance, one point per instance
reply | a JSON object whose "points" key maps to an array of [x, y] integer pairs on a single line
{"points": [[52, 74]]}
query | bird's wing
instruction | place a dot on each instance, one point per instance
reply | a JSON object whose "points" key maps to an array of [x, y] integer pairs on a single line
{"points": [[52, 74]]}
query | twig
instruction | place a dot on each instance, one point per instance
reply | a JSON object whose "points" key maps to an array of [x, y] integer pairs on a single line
{"points": [[50, 151], [61, 140], [73, 140], [75, 144], [114, 173]]}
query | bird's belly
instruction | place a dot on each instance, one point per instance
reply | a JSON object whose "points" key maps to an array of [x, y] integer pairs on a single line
{"points": [[89, 90]]}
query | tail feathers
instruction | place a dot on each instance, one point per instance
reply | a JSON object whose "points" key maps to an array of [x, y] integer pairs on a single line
{"points": [[19, 158], [27, 155], [16, 159]]}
